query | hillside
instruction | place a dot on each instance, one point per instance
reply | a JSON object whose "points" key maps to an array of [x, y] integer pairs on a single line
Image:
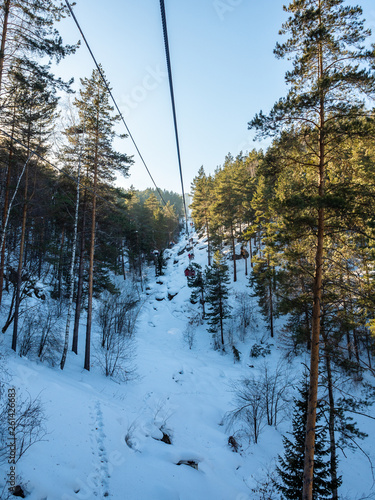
{"points": [[103, 437]]}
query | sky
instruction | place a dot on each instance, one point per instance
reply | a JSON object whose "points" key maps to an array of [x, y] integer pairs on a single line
{"points": [[224, 72]]}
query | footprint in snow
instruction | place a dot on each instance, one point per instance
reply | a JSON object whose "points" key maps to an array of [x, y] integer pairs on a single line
{"points": [[100, 478]]}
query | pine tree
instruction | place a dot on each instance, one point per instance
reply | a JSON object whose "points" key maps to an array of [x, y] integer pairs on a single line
{"points": [[36, 100], [28, 30], [100, 161], [217, 280], [226, 206], [263, 283], [291, 464], [197, 283], [328, 85], [202, 190]]}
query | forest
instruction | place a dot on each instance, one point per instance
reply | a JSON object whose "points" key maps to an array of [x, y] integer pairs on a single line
{"points": [[61, 211], [298, 218], [305, 207]]}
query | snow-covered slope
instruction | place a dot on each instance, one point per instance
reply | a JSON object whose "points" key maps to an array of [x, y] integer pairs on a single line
{"points": [[104, 438]]}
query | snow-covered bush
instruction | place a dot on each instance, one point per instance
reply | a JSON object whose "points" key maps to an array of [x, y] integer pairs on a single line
{"points": [[191, 327], [259, 401], [265, 488], [116, 317], [244, 314], [40, 334], [22, 420]]}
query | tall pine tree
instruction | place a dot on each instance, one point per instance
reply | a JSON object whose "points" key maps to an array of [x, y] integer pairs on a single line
{"points": [[291, 464], [330, 80], [217, 280], [100, 161]]}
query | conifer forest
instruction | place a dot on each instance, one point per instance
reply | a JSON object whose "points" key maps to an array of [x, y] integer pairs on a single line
{"points": [[217, 344]]}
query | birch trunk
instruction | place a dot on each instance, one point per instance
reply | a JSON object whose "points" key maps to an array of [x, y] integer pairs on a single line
{"points": [[71, 273]]}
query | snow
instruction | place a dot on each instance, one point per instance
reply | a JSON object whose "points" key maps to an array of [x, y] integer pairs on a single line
{"points": [[104, 437]]}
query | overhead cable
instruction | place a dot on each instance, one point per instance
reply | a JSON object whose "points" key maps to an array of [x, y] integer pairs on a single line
{"points": [[114, 101], [167, 54]]}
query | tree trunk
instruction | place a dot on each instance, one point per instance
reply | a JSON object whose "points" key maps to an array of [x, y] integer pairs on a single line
{"points": [[20, 267], [61, 258], [202, 303], [10, 313], [71, 274], [77, 315], [308, 472], [234, 253], [5, 213], [307, 321], [221, 323], [3, 39], [245, 249], [331, 421], [92, 252], [208, 244], [41, 248], [91, 280], [6, 201], [251, 253], [123, 258], [270, 291]]}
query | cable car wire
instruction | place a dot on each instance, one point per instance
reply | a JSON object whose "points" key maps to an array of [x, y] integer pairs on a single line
{"points": [[113, 99], [167, 54]]}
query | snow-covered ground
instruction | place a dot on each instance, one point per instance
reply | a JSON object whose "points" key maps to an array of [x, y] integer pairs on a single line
{"points": [[104, 437]]}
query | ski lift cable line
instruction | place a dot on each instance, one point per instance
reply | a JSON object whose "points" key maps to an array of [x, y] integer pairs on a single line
{"points": [[114, 101], [169, 67]]}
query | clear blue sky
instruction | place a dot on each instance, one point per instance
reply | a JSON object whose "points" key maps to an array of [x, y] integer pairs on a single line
{"points": [[223, 67]]}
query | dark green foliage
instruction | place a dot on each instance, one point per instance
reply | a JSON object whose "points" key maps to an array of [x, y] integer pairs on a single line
{"points": [[217, 280], [160, 264], [236, 354], [291, 464], [197, 283], [263, 283], [149, 226], [345, 424], [170, 197], [260, 350]]}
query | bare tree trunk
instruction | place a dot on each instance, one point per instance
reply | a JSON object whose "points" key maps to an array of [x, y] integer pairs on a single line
{"points": [[208, 244], [41, 248], [251, 253], [270, 291], [331, 421], [2, 243], [61, 258], [71, 274], [6, 202], [307, 321], [91, 280], [80, 282], [221, 323], [10, 313], [234, 253], [245, 257], [123, 258], [308, 472], [314, 365], [92, 251], [20, 267], [3, 38], [5, 220]]}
